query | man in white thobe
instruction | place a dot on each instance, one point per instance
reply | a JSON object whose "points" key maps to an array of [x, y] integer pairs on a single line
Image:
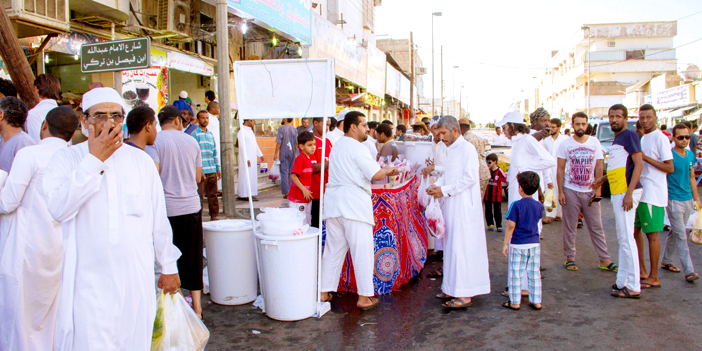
{"points": [[465, 249], [111, 204], [500, 139], [248, 185], [338, 132], [436, 169], [31, 246], [348, 211], [552, 143], [49, 90]]}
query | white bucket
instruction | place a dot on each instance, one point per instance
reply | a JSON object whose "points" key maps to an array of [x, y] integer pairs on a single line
{"points": [[289, 275], [231, 261]]}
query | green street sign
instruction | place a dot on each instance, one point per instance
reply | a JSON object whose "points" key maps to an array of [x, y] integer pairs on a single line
{"points": [[118, 55]]}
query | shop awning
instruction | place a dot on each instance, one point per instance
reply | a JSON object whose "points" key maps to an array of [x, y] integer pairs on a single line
{"points": [[676, 112], [637, 86], [351, 99]]}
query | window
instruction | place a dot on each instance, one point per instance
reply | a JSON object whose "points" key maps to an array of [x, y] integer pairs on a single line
{"points": [[635, 55]]}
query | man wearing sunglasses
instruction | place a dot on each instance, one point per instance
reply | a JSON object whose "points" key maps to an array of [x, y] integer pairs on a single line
{"points": [[658, 162]]}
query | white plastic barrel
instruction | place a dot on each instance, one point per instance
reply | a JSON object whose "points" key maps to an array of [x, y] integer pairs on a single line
{"points": [[289, 275], [231, 261]]}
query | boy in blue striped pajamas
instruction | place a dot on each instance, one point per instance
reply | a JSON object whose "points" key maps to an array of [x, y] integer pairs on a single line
{"points": [[522, 243]]}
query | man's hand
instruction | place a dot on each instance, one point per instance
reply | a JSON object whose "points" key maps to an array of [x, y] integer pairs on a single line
{"points": [[561, 199], [550, 185], [170, 283], [435, 191], [390, 171], [427, 171], [598, 183], [541, 196], [219, 175], [598, 192], [248, 163], [202, 177], [275, 158], [104, 145], [263, 159], [699, 205], [505, 249], [628, 202]]}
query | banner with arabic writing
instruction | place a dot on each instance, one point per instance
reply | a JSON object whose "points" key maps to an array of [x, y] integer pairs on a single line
{"points": [[292, 17], [115, 55]]}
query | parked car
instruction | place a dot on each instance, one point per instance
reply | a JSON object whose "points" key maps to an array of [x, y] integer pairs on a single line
{"points": [[603, 132]]}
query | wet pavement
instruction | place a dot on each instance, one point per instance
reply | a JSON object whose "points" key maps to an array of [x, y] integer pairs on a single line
{"points": [[578, 312]]}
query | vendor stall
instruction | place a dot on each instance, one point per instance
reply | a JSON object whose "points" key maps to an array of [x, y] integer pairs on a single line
{"points": [[400, 239]]}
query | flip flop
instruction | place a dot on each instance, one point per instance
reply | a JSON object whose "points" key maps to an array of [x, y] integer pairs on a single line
{"points": [[627, 294], [437, 273], [571, 266], [443, 296], [457, 304], [691, 277], [649, 286], [534, 306], [371, 306], [670, 267], [612, 268], [509, 305]]}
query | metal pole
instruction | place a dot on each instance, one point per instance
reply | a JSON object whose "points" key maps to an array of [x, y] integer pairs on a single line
{"points": [[225, 111], [442, 80], [412, 78], [588, 71], [433, 109]]}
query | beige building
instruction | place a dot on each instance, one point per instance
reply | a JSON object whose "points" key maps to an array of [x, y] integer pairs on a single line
{"points": [[621, 55]]}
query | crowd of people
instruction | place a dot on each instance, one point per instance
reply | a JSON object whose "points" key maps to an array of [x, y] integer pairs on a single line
{"points": [[90, 229]]}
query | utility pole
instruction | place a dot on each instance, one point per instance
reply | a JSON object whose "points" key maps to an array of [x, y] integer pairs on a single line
{"points": [[433, 80], [442, 80], [15, 61], [412, 78], [225, 110], [588, 68]]}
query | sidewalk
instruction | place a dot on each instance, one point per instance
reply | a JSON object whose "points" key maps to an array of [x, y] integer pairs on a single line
{"points": [[269, 197]]}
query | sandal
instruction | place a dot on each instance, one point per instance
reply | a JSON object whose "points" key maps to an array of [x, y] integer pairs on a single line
{"points": [[571, 266], [509, 305], [457, 304], [670, 267], [443, 296], [649, 285], [612, 268], [371, 306], [691, 277], [626, 292], [534, 306], [437, 273]]}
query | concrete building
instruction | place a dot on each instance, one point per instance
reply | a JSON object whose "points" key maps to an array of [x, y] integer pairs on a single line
{"points": [[621, 55]]}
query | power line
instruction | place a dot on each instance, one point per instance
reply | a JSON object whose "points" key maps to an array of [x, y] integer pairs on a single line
{"points": [[696, 13]]}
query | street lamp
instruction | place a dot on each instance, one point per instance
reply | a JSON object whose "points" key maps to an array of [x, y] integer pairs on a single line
{"points": [[460, 103], [588, 67], [434, 14], [453, 98]]}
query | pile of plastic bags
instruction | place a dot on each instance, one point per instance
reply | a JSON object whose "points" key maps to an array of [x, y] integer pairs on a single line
{"points": [[176, 326]]}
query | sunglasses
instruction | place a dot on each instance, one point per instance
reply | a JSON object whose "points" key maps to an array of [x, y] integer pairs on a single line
{"points": [[489, 162], [683, 137]]}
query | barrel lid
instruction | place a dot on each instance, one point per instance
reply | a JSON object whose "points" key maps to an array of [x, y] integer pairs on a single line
{"points": [[228, 225]]}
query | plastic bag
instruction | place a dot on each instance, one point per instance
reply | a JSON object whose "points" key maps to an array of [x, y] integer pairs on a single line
{"points": [[274, 174], [282, 221], [422, 196], [696, 219], [176, 326], [435, 219], [549, 200]]}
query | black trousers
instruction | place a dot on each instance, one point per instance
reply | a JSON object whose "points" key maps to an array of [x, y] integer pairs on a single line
{"points": [[315, 213], [187, 237], [493, 209]]}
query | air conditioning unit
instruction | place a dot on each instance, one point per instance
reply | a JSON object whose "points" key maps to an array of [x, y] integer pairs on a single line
{"points": [[174, 16], [611, 44], [364, 43], [421, 70], [377, 2], [34, 18]]}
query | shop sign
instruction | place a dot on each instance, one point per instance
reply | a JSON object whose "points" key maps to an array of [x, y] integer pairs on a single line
{"points": [[392, 84], [158, 58], [292, 17], [115, 55], [376, 72], [331, 42], [145, 87], [673, 97], [189, 64]]}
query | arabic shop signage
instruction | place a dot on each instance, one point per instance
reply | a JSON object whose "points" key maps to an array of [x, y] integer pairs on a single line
{"points": [[292, 17], [673, 97], [116, 55]]}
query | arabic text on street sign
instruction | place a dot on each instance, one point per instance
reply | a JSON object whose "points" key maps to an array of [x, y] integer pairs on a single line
{"points": [[115, 55]]}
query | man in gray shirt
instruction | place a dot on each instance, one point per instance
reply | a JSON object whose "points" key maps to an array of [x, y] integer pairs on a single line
{"points": [[13, 114], [181, 170]]}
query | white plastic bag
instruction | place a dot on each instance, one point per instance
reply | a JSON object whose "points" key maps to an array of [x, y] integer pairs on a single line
{"points": [[435, 219], [274, 174], [176, 326], [282, 221], [422, 196], [549, 200], [696, 220]]}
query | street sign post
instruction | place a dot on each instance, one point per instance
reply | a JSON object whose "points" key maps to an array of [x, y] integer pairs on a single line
{"points": [[116, 55]]}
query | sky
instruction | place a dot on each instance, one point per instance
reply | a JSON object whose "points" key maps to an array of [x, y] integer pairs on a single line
{"points": [[500, 45]]}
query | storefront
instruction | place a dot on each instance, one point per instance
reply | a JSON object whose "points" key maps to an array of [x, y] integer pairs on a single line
{"points": [[674, 104]]}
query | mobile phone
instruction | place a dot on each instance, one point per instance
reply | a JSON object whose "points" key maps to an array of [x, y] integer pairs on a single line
{"points": [[594, 199]]}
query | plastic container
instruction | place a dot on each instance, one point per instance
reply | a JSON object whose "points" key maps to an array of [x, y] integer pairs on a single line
{"points": [[289, 275], [282, 221], [231, 261]]}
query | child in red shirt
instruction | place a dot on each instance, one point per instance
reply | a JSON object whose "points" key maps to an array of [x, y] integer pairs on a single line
{"points": [[493, 194], [300, 195]]}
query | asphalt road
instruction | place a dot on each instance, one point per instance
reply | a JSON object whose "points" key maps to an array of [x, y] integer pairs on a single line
{"points": [[578, 312]]}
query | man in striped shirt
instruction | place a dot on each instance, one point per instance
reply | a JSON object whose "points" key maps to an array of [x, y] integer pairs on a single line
{"points": [[211, 172]]}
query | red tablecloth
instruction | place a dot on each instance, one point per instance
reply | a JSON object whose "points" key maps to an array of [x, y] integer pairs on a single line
{"points": [[400, 240]]}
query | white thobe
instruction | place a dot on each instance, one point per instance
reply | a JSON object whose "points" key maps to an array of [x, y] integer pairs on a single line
{"points": [[501, 140], [438, 151], [465, 249], [247, 141], [527, 155], [552, 147], [335, 135], [31, 252], [544, 177], [115, 228], [36, 116], [372, 146]]}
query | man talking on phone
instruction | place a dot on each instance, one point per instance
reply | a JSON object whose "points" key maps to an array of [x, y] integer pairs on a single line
{"points": [[579, 161]]}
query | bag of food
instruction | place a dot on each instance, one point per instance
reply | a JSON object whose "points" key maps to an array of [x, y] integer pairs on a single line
{"points": [[435, 219], [549, 200], [274, 174], [176, 326], [696, 219], [422, 196]]}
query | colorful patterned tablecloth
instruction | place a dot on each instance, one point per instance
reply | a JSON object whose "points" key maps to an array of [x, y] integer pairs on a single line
{"points": [[400, 240]]}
